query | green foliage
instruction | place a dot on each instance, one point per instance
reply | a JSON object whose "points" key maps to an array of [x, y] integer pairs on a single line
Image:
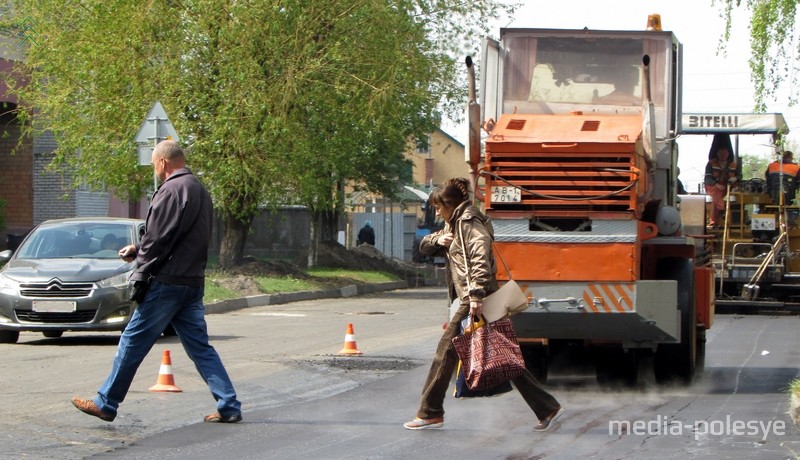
{"points": [[215, 289], [772, 37], [278, 100], [358, 275], [753, 166], [794, 387], [214, 292], [274, 285]]}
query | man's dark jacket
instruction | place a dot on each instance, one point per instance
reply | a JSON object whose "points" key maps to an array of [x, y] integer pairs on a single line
{"points": [[366, 235], [174, 248]]}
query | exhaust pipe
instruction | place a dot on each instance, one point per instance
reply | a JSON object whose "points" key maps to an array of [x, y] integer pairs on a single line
{"points": [[474, 124], [648, 113]]}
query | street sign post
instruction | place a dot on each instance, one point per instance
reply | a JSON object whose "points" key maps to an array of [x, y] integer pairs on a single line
{"points": [[155, 128]]}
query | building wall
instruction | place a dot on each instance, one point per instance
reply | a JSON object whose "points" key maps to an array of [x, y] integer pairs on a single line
{"points": [[448, 158], [16, 178], [91, 204], [52, 196], [16, 170], [134, 210], [443, 159]]}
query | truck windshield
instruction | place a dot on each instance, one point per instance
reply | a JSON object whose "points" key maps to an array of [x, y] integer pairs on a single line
{"points": [[559, 74]]}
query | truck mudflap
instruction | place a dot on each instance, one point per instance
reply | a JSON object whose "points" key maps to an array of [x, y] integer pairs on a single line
{"points": [[642, 312]]}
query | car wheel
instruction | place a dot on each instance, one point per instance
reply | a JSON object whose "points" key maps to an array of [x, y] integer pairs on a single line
{"points": [[53, 334], [9, 336]]}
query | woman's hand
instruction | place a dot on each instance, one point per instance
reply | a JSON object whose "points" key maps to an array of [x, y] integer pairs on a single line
{"points": [[476, 308], [445, 240]]}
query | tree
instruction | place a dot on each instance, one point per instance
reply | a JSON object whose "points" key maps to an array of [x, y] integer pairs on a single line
{"points": [[278, 101], [773, 37], [753, 166]]}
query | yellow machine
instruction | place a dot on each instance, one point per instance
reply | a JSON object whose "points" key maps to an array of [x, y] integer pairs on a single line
{"points": [[756, 252]]}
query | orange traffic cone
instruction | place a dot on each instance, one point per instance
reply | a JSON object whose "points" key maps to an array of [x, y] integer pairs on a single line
{"points": [[349, 342], [165, 380]]}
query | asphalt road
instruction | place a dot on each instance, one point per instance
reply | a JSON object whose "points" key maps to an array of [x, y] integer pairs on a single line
{"points": [[301, 400]]}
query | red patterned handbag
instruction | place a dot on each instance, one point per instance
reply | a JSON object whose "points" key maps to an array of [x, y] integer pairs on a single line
{"points": [[490, 355]]}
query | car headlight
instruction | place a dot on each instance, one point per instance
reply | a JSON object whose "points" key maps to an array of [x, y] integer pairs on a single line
{"points": [[117, 281], [7, 283]]}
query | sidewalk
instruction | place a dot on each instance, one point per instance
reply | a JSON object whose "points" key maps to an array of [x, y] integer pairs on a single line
{"points": [[276, 299]]}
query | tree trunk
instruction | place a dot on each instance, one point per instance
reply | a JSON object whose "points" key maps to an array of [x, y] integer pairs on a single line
{"points": [[313, 242], [324, 227], [234, 237], [329, 226]]}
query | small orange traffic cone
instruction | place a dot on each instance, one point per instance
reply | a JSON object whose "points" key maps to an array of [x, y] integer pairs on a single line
{"points": [[349, 342], [165, 380]]}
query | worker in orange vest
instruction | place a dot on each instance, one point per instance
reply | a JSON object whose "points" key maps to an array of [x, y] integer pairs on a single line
{"points": [[791, 174]]}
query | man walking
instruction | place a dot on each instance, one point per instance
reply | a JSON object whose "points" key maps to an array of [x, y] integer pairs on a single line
{"points": [[168, 286]]}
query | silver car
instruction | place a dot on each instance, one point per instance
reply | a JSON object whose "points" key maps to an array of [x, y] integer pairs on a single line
{"points": [[67, 276]]}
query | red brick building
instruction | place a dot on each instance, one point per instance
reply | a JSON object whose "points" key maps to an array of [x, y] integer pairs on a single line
{"points": [[16, 165]]}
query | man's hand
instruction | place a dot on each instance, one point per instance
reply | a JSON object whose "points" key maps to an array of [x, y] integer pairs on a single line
{"points": [[128, 253]]}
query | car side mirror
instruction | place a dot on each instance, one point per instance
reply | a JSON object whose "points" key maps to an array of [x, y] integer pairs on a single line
{"points": [[5, 256]]}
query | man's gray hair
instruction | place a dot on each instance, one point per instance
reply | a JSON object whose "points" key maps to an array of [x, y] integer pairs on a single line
{"points": [[170, 150]]}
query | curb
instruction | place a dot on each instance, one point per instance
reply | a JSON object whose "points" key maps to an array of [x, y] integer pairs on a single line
{"points": [[351, 290]]}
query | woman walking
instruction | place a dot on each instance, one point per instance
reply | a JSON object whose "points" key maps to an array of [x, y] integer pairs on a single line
{"points": [[463, 220]]}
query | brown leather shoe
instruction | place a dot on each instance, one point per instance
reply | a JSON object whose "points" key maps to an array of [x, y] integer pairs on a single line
{"points": [[88, 406], [216, 418]]}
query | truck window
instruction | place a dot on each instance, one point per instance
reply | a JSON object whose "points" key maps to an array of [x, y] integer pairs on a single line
{"points": [[560, 74]]}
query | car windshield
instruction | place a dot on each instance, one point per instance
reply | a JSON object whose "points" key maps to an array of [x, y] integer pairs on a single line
{"points": [[95, 240]]}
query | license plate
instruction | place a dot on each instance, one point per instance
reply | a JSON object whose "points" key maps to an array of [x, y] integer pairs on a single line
{"points": [[506, 194], [53, 306]]}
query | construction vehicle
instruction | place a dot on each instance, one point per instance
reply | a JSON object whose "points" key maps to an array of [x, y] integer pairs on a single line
{"points": [[578, 174], [755, 251]]}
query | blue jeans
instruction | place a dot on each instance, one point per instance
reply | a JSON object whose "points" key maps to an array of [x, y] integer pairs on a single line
{"points": [[183, 307]]}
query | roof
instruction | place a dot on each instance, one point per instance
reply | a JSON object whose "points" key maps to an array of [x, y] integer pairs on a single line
{"points": [[420, 194], [407, 195], [733, 123], [451, 138]]}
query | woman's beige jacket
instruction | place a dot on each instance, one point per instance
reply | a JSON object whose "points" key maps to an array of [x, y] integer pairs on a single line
{"points": [[477, 232]]}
